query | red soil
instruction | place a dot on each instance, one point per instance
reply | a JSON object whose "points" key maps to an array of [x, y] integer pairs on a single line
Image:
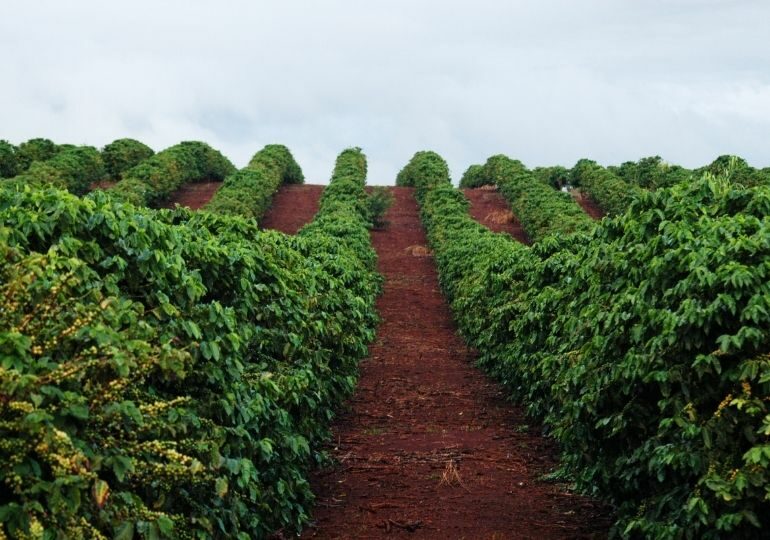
{"points": [[428, 446], [588, 204], [194, 195], [293, 207], [490, 208]]}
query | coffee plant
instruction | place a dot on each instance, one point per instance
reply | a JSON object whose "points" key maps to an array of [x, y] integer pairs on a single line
{"points": [[73, 168], [249, 191], [38, 149], [541, 209], [472, 177], [608, 190], [651, 173], [171, 374], [740, 171], [556, 177], [378, 200], [123, 154], [153, 180], [642, 345], [8, 161]]}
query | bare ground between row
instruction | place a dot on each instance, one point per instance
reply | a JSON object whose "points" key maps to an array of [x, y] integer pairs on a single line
{"points": [[428, 447]]}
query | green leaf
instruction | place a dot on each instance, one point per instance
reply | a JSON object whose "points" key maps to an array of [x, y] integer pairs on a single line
{"points": [[165, 525], [124, 531], [122, 465], [221, 487]]}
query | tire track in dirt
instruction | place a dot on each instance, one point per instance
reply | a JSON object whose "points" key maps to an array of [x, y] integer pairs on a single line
{"points": [[293, 206], [490, 208], [428, 447]]}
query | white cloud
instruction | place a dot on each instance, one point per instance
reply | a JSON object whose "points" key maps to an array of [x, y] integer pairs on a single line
{"points": [[546, 82]]}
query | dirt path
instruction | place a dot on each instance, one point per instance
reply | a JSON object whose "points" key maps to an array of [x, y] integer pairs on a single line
{"points": [[428, 447], [588, 204], [194, 195], [490, 208], [293, 206]]}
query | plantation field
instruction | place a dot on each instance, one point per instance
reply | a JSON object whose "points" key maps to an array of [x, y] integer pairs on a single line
{"points": [[188, 350]]}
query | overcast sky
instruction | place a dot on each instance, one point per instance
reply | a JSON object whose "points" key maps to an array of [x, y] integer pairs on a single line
{"points": [[546, 81]]}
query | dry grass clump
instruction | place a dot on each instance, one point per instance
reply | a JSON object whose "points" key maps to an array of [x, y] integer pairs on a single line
{"points": [[419, 251], [499, 216], [451, 476]]}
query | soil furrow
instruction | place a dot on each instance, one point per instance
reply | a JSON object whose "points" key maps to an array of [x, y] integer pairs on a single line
{"points": [[428, 447]]}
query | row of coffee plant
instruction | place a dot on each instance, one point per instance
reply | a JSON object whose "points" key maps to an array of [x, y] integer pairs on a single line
{"points": [[249, 191], [74, 169], [739, 169], [170, 374], [608, 190], [123, 154], [154, 179], [650, 172], [17, 159], [642, 346], [540, 209], [614, 187], [117, 157]]}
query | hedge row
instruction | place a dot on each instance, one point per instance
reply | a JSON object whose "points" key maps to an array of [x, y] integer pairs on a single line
{"points": [[250, 191], [170, 374], [556, 176], [153, 180], [423, 172], [16, 160], [73, 168], [472, 177], [739, 171], [609, 191], [343, 221], [541, 209], [8, 167], [642, 347], [123, 154], [118, 156], [651, 173]]}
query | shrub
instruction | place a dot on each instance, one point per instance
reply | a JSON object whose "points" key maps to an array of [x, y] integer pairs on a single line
{"points": [[642, 346], [8, 161], [541, 209], [556, 177], [609, 191], [34, 150], [652, 173], [172, 373], [738, 170], [249, 191], [153, 180], [424, 170], [472, 177], [377, 203], [74, 169], [123, 154]]}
